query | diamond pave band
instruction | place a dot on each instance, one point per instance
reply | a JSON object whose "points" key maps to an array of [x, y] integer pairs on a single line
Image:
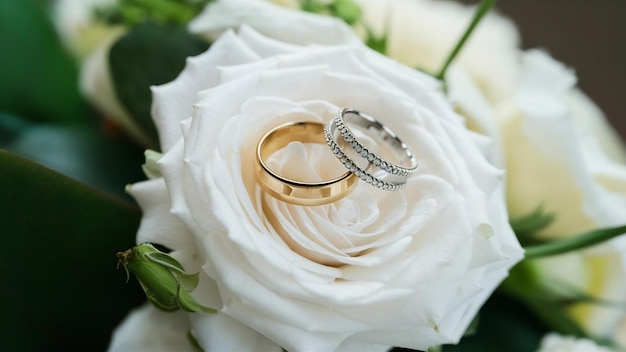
{"points": [[389, 176]]}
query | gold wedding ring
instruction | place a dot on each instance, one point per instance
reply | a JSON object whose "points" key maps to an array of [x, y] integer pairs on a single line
{"points": [[294, 191]]}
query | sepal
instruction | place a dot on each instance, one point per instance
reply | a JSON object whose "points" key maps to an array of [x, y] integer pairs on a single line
{"points": [[164, 280]]}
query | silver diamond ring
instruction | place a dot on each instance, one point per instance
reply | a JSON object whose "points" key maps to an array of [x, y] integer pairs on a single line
{"points": [[384, 174]]}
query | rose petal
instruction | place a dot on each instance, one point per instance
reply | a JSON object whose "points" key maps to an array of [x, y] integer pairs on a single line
{"points": [[149, 329]]}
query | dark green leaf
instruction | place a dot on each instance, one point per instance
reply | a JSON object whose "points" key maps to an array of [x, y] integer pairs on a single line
{"points": [[132, 12], [527, 226], [59, 286], [376, 42], [86, 154], [150, 54], [38, 79], [505, 325]]}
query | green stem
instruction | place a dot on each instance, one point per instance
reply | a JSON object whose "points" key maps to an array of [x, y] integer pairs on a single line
{"points": [[483, 8], [571, 244]]}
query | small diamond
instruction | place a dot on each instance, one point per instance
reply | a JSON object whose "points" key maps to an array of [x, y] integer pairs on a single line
{"points": [[363, 176], [358, 172], [377, 161], [358, 148], [349, 165], [353, 168], [389, 168], [383, 165], [353, 144], [364, 153], [369, 179], [371, 157], [344, 159], [349, 139]]}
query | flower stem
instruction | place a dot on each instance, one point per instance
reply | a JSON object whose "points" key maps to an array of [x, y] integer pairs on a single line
{"points": [[571, 244], [481, 11]]}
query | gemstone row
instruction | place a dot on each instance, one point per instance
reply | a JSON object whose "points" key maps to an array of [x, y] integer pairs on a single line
{"points": [[350, 165], [370, 156]]}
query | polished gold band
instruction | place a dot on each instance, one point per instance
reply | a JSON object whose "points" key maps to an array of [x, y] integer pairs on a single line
{"points": [[292, 191]]}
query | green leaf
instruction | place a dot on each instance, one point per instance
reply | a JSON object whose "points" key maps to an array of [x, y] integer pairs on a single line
{"points": [[527, 226], [347, 10], [132, 12], [581, 241], [150, 54], [57, 272], [554, 315], [376, 42], [506, 324], [86, 154], [38, 78]]}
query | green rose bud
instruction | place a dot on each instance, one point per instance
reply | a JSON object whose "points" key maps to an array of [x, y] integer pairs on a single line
{"points": [[162, 278]]}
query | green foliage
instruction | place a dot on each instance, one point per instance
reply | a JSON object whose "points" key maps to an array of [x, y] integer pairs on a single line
{"points": [[482, 9], [162, 278], [150, 54], [581, 241], [527, 226], [107, 162], [347, 10], [38, 79], [132, 12], [521, 332], [376, 42], [57, 273]]}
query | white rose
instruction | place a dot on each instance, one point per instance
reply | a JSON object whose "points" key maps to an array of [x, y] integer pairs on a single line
{"points": [[422, 33], [562, 155], [408, 268], [557, 147], [556, 343], [79, 28]]}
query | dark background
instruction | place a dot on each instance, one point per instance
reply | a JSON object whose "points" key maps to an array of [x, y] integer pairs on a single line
{"points": [[589, 36]]}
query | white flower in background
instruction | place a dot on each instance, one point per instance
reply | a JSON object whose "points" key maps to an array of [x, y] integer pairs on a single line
{"points": [[557, 343], [79, 28], [422, 33], [557, 147], [373, 270], [562, 155]]}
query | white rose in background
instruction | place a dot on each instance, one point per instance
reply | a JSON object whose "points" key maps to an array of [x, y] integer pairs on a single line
{"points": [[79, 28], [376, 269], [557, 147], [559, 151], [557, 343], [561, 154], [422, 33]]}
